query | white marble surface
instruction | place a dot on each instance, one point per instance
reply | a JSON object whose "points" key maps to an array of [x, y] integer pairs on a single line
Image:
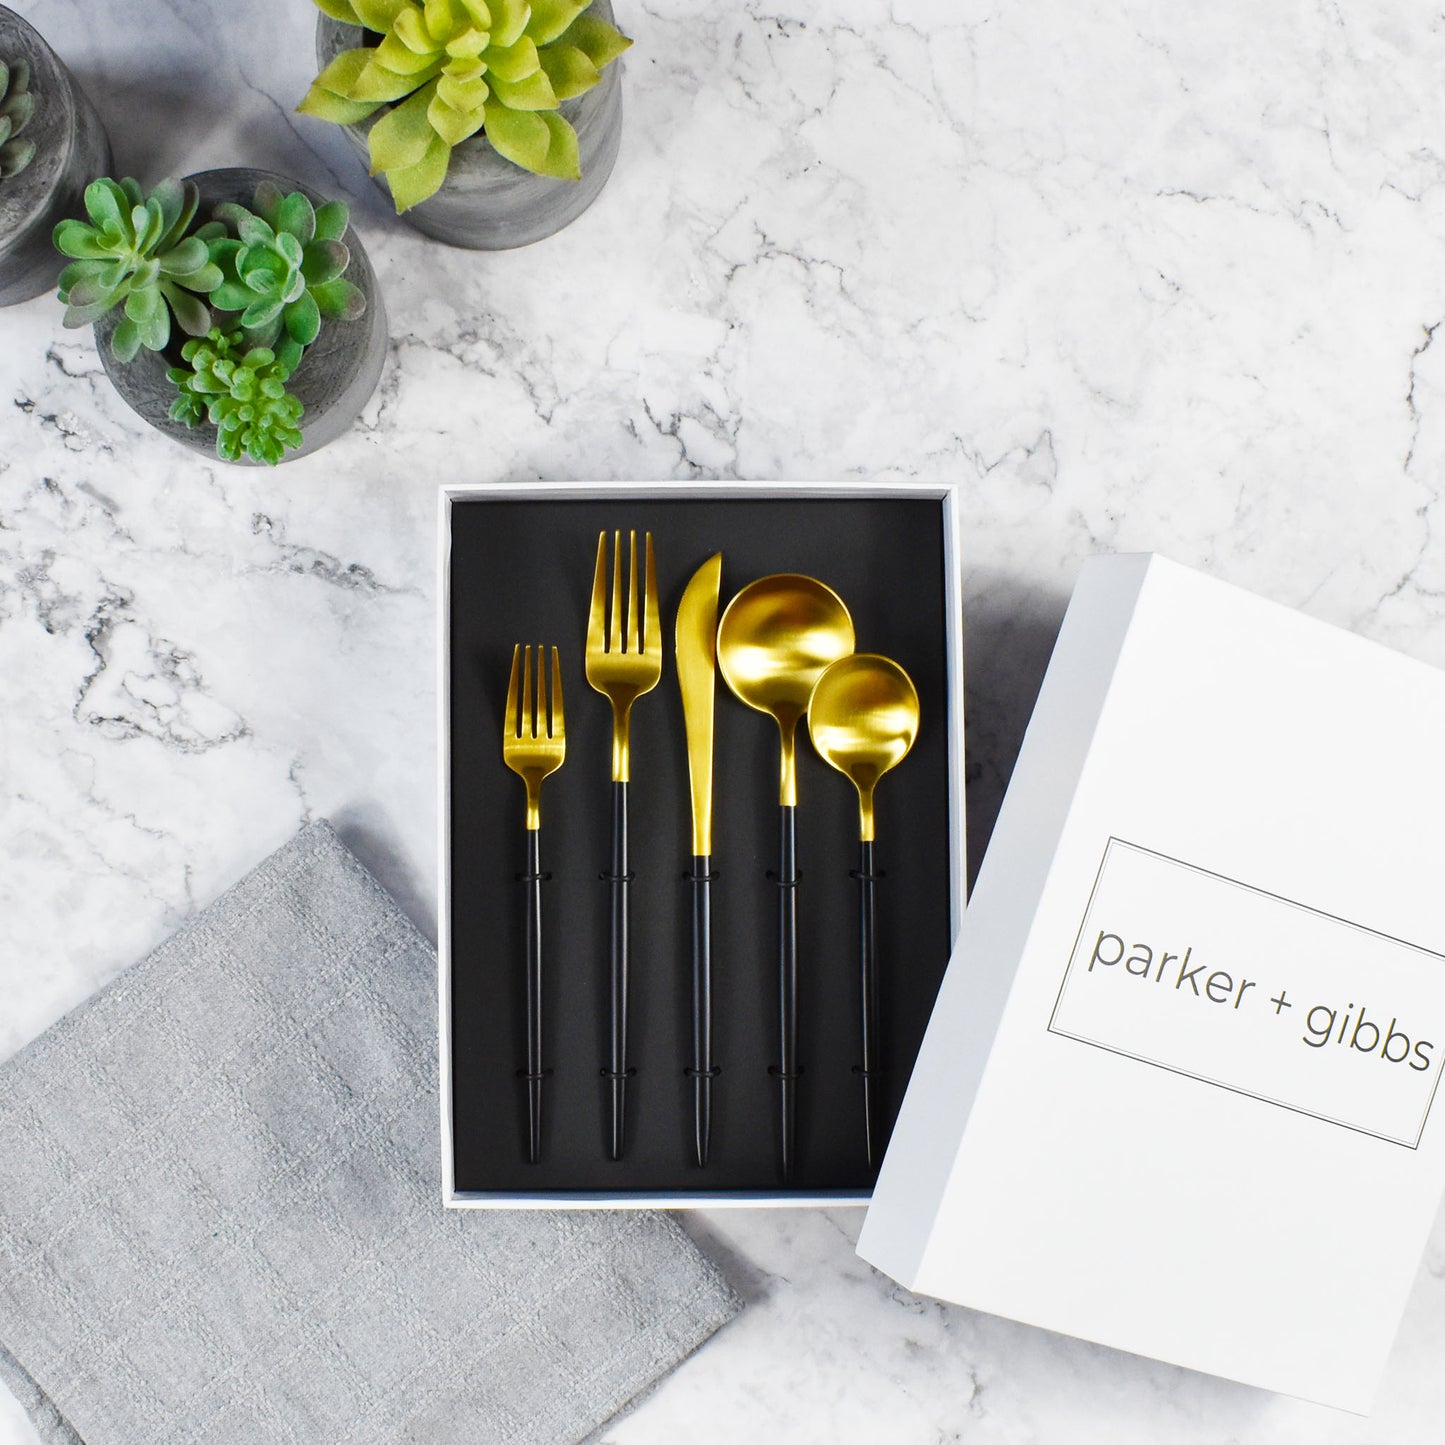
{"points": [[1138, 276]]}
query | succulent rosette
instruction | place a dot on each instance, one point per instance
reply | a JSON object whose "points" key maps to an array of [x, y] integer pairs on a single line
{"points": [[447, 69]]}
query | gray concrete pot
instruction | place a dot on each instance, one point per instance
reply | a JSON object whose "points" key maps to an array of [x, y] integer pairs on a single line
{"points": [[71, 150], [336, 377], [487, 203]]}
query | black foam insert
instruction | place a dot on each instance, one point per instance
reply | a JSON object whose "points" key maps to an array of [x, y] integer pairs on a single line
{"points": [[521, 571]]}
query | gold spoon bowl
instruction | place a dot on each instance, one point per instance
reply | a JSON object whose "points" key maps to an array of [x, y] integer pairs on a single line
{"points": [[863, 719], [774, 641]]}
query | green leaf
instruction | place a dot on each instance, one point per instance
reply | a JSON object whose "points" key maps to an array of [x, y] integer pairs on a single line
{"points": [[453, 126], [174, 204], [324, 261], [261, 312], [204, 280], [125, 341], [303, 319], [75, 238], [252, 230], [379, 15], [600, 42], [341, 73], [288, 355], [183, 259], [412, 34], [562, 161], [332, 220], [18, 109], [106, 205], [191, 314], [340, 299], [396, 56], [413, 184], [15, 156], [142, 306], [232, 296], [402, 138], [323, 105], [570, 70], [376, 82], [5, 128], [538, 141], [341, 10], [533, 93], [551, 17], [514, 62], [509, 19], [463, 95]]}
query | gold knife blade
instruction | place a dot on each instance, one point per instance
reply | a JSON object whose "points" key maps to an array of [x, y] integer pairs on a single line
{"points": [[696, 671]]}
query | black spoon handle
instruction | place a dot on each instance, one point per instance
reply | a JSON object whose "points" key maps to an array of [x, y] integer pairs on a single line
{"points": [[619, 882], [788, 986], [868, 980], [533, 879], [702, 1069]]}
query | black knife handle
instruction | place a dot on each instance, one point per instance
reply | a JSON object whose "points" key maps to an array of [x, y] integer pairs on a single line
{"points": [[787, 881], [702, 1070], [619, 885], [533, 879], [868, 1001]]}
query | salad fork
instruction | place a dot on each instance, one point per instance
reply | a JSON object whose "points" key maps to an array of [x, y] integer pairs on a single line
{"points": [[624, 660], [534, 743]]}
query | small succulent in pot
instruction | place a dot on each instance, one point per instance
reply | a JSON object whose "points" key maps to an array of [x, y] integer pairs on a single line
{"points": [[276, 329], [17, 105], [493, 122], [453, 67], [51, 143]]}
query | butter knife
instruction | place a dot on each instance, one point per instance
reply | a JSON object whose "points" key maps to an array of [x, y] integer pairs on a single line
{"points": [[696, 674]]}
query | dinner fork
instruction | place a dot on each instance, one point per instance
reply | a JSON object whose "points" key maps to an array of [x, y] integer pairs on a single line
{"points": [[624, 660], [534, 742]]}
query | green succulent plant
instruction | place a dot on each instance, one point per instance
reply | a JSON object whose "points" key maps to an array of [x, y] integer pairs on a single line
{"points": [[241, 390], [449, 68], [136, 252], [281, 268], [17, 105]]}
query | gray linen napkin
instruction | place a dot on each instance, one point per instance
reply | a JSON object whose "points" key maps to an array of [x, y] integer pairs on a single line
{"points": [[220, 1213]]}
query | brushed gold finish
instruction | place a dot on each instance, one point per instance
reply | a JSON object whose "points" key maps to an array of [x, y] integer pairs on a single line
{"points": [[775, 638], [624, 651], [534, 736], [863, 718], [696, 642]]}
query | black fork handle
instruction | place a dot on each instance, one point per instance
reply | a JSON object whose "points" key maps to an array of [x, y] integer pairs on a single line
{"points": [[788, 987], [619, 882], [533, 879]]}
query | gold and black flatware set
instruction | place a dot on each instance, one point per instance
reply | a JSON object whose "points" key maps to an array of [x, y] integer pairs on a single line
{"points": [[785, 646]]}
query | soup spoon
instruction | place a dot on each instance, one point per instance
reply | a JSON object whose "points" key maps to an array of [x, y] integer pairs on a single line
{"points": [[774, 640], [863, 718]]}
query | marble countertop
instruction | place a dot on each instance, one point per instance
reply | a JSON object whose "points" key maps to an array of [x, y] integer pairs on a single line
{"points": [[1136, 277]]}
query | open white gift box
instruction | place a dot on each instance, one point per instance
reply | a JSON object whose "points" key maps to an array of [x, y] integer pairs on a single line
{"points": [[1176, 1092], [1174, 1095]]}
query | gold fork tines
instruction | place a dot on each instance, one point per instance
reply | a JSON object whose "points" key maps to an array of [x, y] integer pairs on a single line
{"points": [[624, 652], [534, 733]]}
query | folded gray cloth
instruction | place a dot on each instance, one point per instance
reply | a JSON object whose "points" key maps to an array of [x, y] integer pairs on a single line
{"points": [[220, 1215]]}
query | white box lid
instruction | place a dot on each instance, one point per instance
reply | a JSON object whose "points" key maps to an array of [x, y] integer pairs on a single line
{"points": [[1144, 1112]]}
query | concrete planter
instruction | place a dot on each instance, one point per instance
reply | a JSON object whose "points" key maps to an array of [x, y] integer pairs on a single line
{"points": [[71, 150], [336, 377], [487, 203]]}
